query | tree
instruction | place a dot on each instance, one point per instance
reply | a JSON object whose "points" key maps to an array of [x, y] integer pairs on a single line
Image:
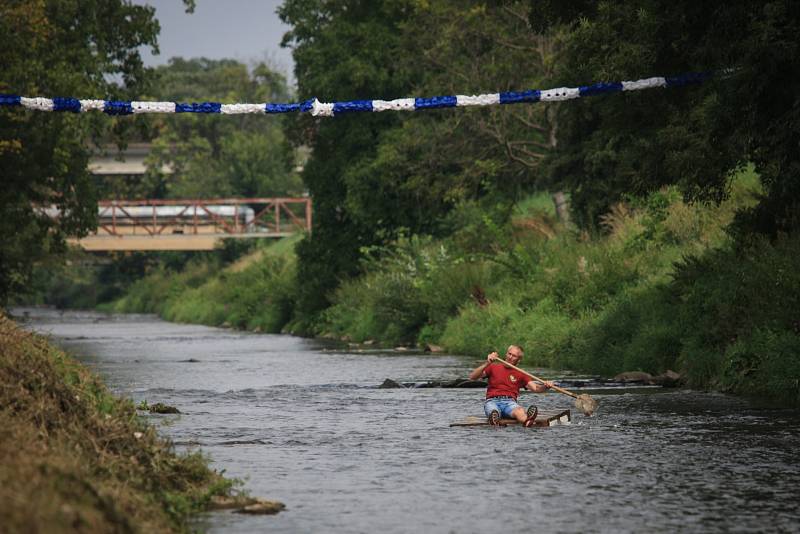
{"points": [[374, 176], [58, 47], [217, 155], [437, 160], [694, 137], [342, 51]]}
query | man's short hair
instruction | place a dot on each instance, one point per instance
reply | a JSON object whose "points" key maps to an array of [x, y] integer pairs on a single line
{"points": [[519, 348]]}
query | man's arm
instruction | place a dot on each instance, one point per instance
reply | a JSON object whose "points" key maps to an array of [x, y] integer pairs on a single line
{"points": [[478, 371], [538, 387]]}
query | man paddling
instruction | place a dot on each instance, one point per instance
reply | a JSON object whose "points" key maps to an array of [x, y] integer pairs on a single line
{"points": [[504, 386]]}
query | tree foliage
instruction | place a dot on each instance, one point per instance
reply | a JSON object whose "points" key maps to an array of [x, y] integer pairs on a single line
{"points": [[375, 176], [208, 156], [58, 47], [342, 51], [694, 137]]}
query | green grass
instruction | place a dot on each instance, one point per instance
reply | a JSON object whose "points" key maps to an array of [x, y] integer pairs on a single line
{"points": [[255, 292], [540, 203]]}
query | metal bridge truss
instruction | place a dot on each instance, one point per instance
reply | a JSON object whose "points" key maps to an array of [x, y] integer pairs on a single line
{"points": [[194, 224]]}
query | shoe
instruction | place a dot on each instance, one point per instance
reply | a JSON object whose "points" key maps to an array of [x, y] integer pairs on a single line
{"points": [[494, 418], [533, 411]]}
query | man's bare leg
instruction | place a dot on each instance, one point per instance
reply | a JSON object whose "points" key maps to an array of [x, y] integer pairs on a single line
{"points": [[519, 414]]}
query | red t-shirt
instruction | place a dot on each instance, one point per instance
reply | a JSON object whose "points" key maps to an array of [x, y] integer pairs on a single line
{"points": [[504, 381]]}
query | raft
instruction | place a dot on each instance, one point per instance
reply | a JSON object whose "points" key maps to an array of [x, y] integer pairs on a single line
{"points": [[545, 418]]}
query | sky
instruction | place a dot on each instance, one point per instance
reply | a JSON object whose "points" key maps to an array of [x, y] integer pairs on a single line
{"points": [[245, 30]]}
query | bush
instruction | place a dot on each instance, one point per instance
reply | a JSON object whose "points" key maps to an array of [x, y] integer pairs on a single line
{"points": [[414, 285], [765, 363], [733, 301], [260, 296], [258, 291], [732, 292], [543, 332], [636, 331]]}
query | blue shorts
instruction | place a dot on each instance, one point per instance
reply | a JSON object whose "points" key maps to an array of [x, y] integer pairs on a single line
{"points": [[504, 405]]}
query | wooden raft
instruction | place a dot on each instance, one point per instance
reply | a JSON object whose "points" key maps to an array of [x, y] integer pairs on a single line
{"points": [[544, 418]]}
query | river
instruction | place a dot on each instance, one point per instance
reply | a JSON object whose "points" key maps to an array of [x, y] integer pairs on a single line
{"points": [[305, 424]]}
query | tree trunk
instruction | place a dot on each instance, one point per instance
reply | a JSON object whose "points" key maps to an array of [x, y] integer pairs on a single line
{"points": [[562, 206]]}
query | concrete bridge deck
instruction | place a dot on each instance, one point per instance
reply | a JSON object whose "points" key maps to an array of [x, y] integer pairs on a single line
{"points": [[109, 243]]}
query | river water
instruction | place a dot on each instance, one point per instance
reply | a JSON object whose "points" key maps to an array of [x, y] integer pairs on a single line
{"points": [[305, 424]]}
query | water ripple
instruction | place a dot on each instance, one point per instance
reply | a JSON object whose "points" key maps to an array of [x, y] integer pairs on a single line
{"points": [[313, 431]]}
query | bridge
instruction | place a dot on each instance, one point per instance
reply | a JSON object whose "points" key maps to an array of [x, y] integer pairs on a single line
{"points": [[192, 224]]}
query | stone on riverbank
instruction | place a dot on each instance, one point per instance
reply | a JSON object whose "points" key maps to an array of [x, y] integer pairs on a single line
{"points": [[668, 378], [457, 383], [229, 502], [470, 384], [242, 504]]}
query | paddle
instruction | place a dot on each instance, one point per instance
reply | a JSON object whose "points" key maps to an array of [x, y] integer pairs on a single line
{"points": [[583, 402]]}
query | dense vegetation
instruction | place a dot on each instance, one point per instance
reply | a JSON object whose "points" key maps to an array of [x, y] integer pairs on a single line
{"points": [[662, 287], [257, 292], [432, 227], [377, 176], [373, 177], [58, 47], [77, 459], [695, 138]]}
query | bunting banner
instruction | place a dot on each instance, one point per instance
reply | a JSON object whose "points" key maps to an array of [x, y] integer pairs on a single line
{"points": [[330, 109]]}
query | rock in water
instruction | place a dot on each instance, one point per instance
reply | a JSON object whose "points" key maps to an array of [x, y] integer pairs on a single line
{"points": [[429, 384], [163, 408], [229, 502], [262, 508], [390, 384], [668, 379], [634, 376], [471, 384]]}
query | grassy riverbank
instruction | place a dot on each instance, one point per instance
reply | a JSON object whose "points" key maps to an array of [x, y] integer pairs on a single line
{"points": [[253, 293], [77, 459]]}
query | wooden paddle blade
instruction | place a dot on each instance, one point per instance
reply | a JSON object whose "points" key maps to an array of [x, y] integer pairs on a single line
{"points": [[586, 404]]}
